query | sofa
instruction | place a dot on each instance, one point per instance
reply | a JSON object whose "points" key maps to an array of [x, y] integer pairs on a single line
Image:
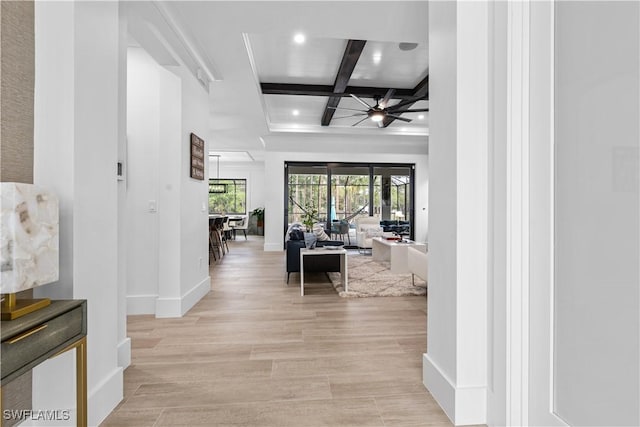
{"points": [[402, 228], [328, 263]]}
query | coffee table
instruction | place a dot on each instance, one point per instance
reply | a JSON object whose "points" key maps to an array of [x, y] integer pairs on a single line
{"points": [[394, 252], [323, 251]]}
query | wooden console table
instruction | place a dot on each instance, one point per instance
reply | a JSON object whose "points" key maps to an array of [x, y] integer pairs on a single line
{"points": [[41, 335]]}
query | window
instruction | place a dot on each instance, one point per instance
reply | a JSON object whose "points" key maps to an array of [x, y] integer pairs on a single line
{"points": [[228, 196]]}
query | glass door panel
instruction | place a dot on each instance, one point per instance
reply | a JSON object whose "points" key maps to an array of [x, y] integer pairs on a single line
{"points": [[392, 198], [349, 199], [307, 190]]}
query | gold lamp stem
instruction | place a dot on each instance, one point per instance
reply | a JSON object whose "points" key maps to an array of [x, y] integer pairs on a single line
{"points": [[12, 308], [9, 302]]}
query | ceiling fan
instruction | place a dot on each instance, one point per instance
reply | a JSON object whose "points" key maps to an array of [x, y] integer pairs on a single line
{"points": [[377, 113]]}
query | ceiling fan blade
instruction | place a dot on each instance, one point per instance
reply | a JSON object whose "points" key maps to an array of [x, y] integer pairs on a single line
{"points": [[415, 110], [352, 115], [399, 118], [361, 101], [405, 102], [350, 109], [359, 121], [387, 97]]}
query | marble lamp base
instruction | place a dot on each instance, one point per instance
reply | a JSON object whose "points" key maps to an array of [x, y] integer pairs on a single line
{"points": [[29, 256]]}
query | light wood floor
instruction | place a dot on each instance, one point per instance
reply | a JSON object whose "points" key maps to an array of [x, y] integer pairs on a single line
{"points": [[253, 352]]}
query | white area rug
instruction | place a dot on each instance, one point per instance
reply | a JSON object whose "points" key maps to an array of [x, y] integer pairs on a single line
{"points": [[368, 278]]}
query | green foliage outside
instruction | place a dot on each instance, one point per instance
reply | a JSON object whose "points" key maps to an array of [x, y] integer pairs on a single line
{"points": [[232, 201], [350, 194]]}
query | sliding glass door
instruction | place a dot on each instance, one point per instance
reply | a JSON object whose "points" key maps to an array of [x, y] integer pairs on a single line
{"points": [[349, 192], [393, 191], [306, 191], [339, 193]]}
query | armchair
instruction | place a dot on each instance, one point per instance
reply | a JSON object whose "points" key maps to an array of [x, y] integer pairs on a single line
{"points": [[341, 228], [367, 227]]}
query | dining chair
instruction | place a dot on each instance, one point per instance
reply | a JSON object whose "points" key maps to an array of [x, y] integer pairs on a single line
{"points": [[214, 243], [242, 226], [225, 234]]}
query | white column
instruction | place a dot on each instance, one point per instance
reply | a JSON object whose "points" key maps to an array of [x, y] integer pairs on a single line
{"points": [[76, 140], [455, 367]]}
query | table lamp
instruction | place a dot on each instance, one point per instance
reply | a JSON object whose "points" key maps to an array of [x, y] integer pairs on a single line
{"points": [[29, 236]]}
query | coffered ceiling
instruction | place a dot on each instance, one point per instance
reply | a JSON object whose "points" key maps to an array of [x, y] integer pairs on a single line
{"points": [[265, 81]]}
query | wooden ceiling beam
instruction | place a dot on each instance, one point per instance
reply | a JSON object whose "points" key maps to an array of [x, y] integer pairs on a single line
{"points": [[349, 60], [327, 90]]}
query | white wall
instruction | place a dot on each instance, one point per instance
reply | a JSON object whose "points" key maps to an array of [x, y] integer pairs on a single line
{"points": [[142, 169], [339, 149], [455, 366], [76, 141], [194, 196], [168, 249], [597, 213]]}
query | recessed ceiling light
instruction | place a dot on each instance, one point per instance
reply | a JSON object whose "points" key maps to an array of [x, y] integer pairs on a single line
{"points": [[421, 117], [299, 38], [295, 112], [377, 57]]}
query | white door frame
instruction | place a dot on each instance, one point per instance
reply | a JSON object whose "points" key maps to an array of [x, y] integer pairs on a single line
{"points": [[517, 203], [530, 219]]}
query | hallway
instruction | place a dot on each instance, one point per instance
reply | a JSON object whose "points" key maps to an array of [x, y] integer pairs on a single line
{"points": [[255, 353]]}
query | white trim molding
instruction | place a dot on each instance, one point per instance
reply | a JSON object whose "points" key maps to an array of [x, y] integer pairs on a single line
{"points": [[105, 396], [124, 353], [141, 304], [464, 405], [518, 86], [177, 307]]}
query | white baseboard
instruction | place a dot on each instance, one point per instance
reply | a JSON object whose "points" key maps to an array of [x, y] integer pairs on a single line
{"points": [[105, 397], [439, 385], [177, 307], [124, 353], [273, 247], [141, 304], [464, 405], [194, 295]]}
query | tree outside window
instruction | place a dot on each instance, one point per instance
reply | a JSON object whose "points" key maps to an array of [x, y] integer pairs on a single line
{"points": [[228, 196]]}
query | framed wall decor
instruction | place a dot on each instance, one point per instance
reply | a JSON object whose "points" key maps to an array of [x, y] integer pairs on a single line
{"points": [[197, 157]]}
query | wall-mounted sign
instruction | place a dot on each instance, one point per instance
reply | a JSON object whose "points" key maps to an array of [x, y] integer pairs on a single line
{"points": [[197, 157]]}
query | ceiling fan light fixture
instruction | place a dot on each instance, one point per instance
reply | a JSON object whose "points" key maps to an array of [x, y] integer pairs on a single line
{"points": [[377, 117]]}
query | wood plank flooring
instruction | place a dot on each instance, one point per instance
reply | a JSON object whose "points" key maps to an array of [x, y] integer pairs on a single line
{"points": [[253, 352]]}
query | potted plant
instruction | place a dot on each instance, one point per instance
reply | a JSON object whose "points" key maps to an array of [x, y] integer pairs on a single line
{"points": [[259, 214], [309, 217]]}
